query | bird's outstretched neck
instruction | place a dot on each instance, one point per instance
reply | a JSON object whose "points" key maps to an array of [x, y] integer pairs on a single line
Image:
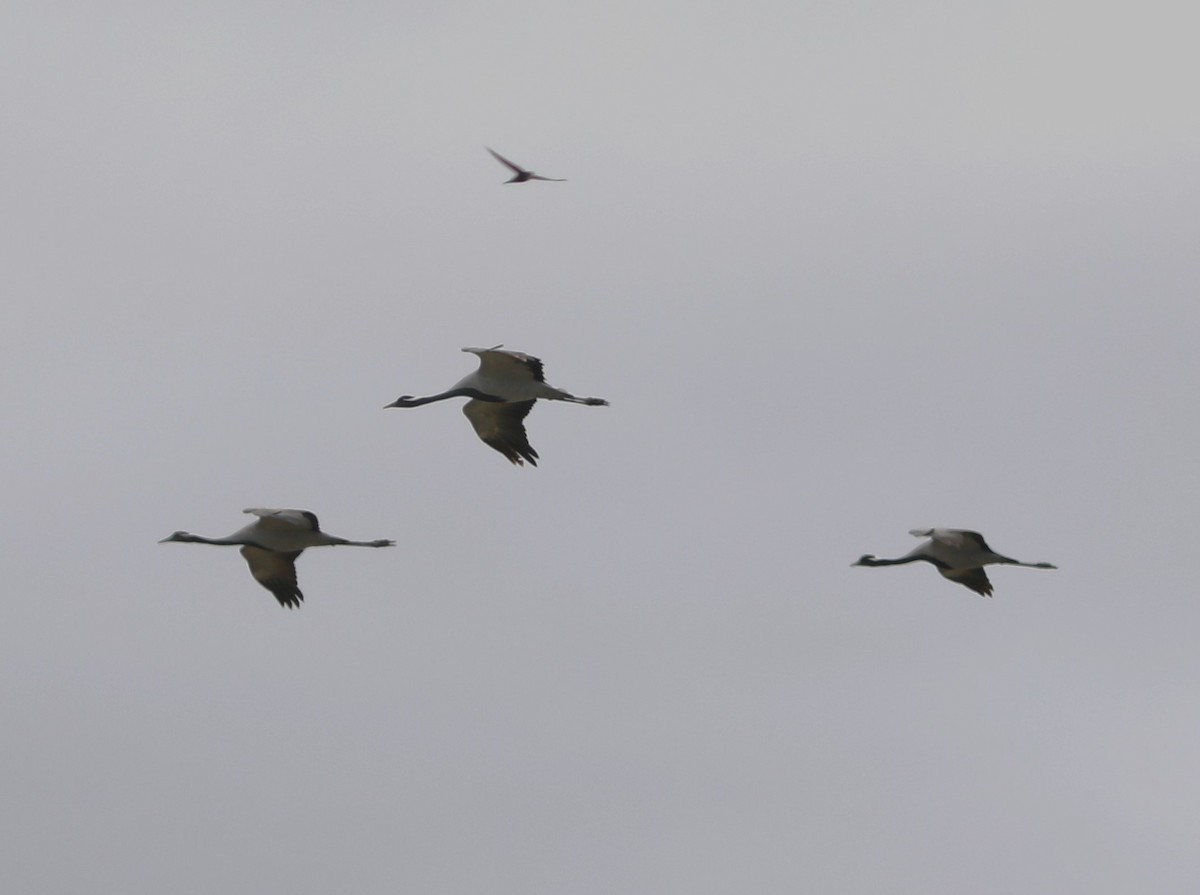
{"points": [[410, 401], [186, 537], [870, 560]]}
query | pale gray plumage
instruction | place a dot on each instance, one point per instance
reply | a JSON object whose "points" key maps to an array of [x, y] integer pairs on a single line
{"points": [[958, 554], [272, 542], [502, 392]]}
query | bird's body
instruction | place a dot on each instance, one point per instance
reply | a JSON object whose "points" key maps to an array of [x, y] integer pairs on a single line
{"points": [[271, 544], [958, 554], [520, 175], [502, 392]]}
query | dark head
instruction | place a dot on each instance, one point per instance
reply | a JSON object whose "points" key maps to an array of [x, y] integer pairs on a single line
{"points": [[179, 536], [402, 401], [867, 559]]}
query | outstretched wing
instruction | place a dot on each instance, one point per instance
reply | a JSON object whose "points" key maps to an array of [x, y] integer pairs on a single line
{"points": [[975, 579], [299, 518], [957, 538], [501, 425], [503, 364], [516, 169], [276, 572]]}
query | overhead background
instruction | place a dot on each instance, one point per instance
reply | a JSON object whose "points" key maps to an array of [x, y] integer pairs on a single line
{"points": [[841, 269]]}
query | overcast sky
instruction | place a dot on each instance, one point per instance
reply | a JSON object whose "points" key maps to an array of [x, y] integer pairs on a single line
{"points": [[841, 269]]}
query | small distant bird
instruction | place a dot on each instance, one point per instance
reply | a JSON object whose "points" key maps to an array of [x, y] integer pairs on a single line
{"points": [[271, 544], [520, 175], [959, 555], [502, 392]]}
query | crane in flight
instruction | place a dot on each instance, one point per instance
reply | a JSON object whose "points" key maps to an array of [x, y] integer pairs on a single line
{"points": [[958, 554], [502, 392], [270, 545]]}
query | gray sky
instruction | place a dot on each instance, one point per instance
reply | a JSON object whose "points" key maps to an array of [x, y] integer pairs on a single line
{"points": [[841, 269]]}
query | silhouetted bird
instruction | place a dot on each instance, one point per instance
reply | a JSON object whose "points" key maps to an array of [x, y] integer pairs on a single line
{"points": [[520, 175]]}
